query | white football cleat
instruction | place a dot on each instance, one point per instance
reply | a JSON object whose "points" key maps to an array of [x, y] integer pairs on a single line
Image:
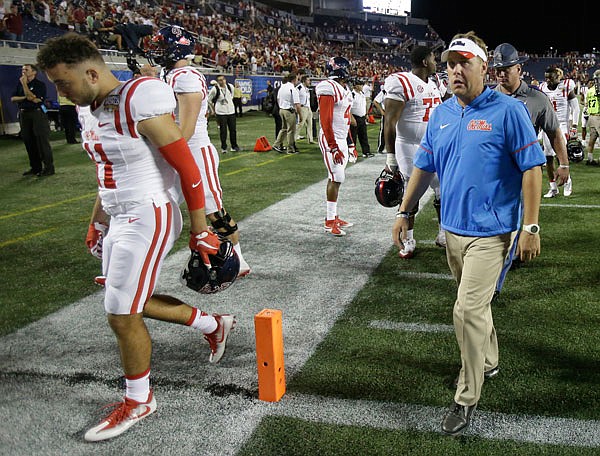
{"points": [[333, 227], [123, 416], [551, 193], [244, 269], [218, 338], [568, 188], [343, 223], [408, 251]]}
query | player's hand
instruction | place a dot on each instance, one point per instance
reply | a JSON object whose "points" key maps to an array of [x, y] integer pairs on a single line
{"points": [[94, 238], [400, 231], [205, 243], [338, 155], [352, 154], [391, 165], [573, 133], [561, 176]]}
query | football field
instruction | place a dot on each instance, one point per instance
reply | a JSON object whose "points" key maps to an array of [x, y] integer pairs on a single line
{"points": [[369, 345]]}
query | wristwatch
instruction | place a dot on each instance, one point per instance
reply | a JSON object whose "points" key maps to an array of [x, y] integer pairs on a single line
{"points": [[532, 229]]}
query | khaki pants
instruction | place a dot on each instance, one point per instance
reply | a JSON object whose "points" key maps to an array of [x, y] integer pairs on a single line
{"points": [[306, 121], [475, 263], [288, 129]]}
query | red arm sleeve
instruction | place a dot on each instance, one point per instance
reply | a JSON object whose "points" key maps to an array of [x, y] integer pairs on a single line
{"points": [[179, 156], [326, 118]]}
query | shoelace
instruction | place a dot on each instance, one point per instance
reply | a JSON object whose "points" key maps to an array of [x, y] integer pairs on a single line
{"points": [[120, 412], [212, 338]]}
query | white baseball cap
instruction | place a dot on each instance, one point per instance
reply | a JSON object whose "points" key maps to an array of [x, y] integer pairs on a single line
{"points": [[465, 47]]}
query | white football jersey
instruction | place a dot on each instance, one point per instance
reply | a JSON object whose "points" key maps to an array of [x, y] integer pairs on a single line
{"points": [[420, 99], [342, 98], [559, 97], [190, 80], [130, 170]]}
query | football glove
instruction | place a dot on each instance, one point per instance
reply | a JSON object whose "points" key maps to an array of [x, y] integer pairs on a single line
{"points": [[338, 155], [205, 243], [352, 154], [95, 237]]}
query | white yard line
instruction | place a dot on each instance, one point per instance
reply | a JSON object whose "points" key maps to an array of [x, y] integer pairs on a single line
{"points": [[411, 327], [581, 206], [398, 416]]}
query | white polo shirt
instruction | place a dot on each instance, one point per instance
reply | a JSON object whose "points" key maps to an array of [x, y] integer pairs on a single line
{"points": [[304, 95], [288, 96], [359, 104]]}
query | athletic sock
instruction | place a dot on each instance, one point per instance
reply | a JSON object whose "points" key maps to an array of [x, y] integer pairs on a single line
{"points": [[331, 210], [202, 321], [238, 250], [138, 386]]}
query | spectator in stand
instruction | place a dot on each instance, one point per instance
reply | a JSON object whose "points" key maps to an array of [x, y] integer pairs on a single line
{"points": [[104, 33], [13, 22], [132, 34]]}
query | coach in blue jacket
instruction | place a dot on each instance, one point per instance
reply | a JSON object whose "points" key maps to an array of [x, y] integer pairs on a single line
{"points": [[483, 147]]}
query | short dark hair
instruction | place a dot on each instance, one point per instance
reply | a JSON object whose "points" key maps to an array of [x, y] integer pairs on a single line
{"points": [[418, 54], [69, 49], [32, 66]]}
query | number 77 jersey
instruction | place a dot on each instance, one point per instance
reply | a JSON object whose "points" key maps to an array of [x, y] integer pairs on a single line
{"points": [[420, 98]]}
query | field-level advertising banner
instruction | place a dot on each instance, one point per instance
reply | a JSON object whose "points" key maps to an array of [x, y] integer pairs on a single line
{"points": [[253, 88], [246, 88]]}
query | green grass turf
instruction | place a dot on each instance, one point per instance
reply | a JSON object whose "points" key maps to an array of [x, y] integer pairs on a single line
{"points": [[546, 316], [546, 319], [293, 437], [44, 263]]}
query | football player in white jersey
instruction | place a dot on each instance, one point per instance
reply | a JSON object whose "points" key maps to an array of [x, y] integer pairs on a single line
{"points": [[410, 97], [566, 105], [129, 132], [335, 101], [170, 47]]}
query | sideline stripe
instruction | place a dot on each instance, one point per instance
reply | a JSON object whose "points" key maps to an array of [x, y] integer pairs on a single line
{"points": [[582, 206], [26, 238], [234, 157], [411, 327], [250, 168], [425, 275], [423, 418], [47, 206]]}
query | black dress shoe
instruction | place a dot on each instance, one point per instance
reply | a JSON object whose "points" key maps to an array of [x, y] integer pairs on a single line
{"points": [[30, 173], [457, 418], [47, 172]]}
